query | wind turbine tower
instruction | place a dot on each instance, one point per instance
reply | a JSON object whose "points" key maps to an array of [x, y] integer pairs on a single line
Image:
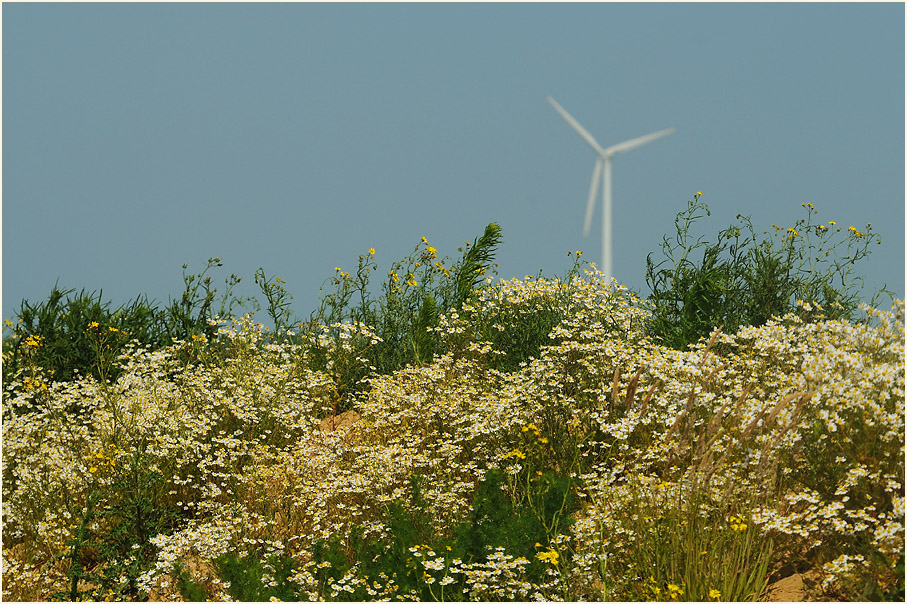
{"points": [[603, 164]]}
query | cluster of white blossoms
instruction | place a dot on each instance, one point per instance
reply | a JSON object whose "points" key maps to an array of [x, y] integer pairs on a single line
{"points": [[800, 423]]}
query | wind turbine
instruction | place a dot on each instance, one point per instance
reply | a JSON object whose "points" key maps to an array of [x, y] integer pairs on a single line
{"points": [[603, 163]]}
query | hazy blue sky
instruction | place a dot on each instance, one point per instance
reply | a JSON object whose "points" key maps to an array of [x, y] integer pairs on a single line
{"points": [[138, 137]]}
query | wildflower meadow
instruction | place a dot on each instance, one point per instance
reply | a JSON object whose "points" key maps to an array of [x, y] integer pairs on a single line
{"points": [[435, 432]]}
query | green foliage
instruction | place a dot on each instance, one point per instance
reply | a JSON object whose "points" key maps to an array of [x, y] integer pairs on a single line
{"points": [[895, 592], [69, 335], [66, 336], [78, 546], [55, 335], [406, 312], [519, 522], [136, 511], [472, 268], [519, 329], [278, 300], [417, 290], [408, 526], [189, 589], [251, 578], [744, 279], [193, 314], [112, 546], [255, 580], [497, 520]]}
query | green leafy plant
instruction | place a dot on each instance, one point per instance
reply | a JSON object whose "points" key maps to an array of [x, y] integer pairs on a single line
{"points": [[80, 334], [189, 589], [55, 334], [253, 579], [416, 560], [278, 299], [745, 279], [111, 547], [193, 313], [515, 329], [400, 320], [418, 290], [474, 266]]}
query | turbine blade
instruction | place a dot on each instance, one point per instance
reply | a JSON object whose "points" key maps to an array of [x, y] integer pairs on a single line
{"points": [[590, 205], [636, 142], [575, 125]]}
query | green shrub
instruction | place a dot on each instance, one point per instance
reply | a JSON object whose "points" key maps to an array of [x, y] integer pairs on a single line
{"points": [[188, 588], [744, 279], [416, 561], [57, 336], [254, 580], [112, 546], [69, 335], [399, 321]]}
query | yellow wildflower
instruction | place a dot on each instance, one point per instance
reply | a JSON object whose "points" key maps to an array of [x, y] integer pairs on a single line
{"points": [[515, 453], [551, 557]]}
